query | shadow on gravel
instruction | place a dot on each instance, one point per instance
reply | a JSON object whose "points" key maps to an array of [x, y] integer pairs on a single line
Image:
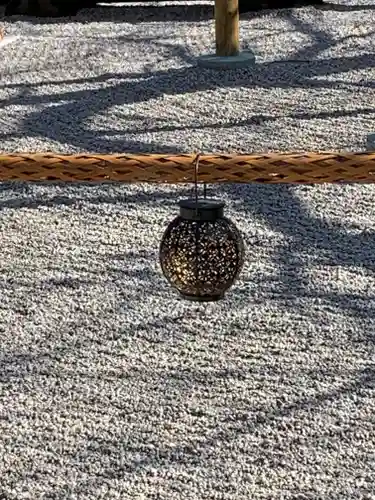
{"points": [[175, 11], [77, 200], [309, 243], [130, 14], [65, 122], [336, 7], [122, 454], [88, 369], [331, 245]]}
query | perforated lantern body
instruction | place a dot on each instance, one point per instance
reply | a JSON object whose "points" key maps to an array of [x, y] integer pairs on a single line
{"points": [[202, 252]]}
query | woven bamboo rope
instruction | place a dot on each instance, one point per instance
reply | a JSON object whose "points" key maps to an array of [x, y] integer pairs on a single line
{"points": [[261, 168]]}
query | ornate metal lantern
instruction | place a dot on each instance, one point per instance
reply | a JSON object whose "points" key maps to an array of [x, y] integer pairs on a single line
{"points": [[201, 253]]}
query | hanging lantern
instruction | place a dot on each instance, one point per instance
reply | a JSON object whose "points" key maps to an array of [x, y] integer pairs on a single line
{"points": [[201, 253]]}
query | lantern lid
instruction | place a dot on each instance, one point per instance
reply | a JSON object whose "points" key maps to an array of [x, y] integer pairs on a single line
{"points": [[204, 210]]}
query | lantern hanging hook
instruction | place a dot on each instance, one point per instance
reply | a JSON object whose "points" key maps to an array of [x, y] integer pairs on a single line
{"points": [[196, 172]]}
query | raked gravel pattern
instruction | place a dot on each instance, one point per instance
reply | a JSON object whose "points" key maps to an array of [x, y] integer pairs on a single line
{"points": [[111, 387]]}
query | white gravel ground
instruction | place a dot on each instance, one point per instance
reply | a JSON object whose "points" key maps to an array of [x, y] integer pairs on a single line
{"points": [[110, 386]]}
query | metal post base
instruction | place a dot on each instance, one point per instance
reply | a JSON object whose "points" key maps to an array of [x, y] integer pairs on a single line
{"points": [[242, 60]]}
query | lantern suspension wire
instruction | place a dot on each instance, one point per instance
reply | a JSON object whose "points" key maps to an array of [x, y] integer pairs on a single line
{"points": [[196, 267], [196, 169], [196, 172]]}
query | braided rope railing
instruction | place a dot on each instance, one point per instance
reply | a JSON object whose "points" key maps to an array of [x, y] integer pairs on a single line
{"points": [[262, 168]]}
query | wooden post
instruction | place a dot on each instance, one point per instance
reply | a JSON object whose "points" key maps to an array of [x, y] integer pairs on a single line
{"points": [[227, 28]]}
